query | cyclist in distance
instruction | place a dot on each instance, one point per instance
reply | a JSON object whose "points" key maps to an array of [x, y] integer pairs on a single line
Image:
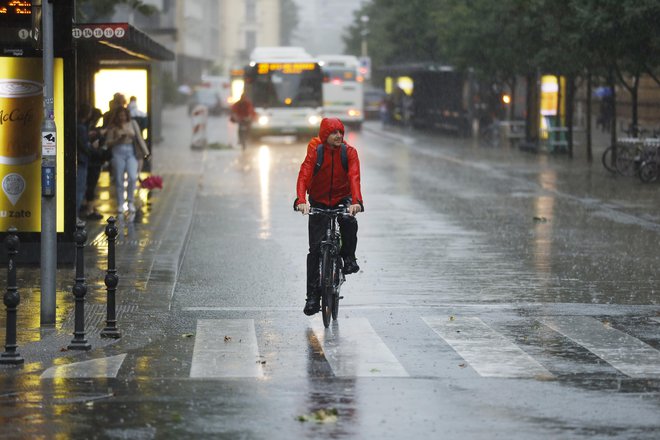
{"points": [[331, 178], [242, 112]]}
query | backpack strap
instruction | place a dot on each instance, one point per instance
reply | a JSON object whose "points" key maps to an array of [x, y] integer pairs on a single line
{"points": [[344, 157], [319, 157]]}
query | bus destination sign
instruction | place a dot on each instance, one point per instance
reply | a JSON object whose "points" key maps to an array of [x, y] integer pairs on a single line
{"points": [[15, 8], [286, 68]]}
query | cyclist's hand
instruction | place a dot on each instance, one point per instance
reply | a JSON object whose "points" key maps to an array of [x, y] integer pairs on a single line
{"points": [[304, 208], [354, 209]]}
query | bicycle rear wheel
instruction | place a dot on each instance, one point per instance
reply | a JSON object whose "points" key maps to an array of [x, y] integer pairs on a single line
{"points": [[607, 160], [648, 172], [327, 290]]}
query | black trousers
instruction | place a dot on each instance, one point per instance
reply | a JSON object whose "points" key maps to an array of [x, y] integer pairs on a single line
{"points": [[318, 226], [93, 173]]}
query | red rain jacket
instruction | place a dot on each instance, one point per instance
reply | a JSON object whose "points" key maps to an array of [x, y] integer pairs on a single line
{"points": [[332, 183]]}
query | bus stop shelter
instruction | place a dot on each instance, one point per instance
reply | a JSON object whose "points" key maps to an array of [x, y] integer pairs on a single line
{"points": [[87, 57]]}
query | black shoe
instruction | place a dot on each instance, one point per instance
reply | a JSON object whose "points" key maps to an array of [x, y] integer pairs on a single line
{"points": [[350, 265], [311, 306]]}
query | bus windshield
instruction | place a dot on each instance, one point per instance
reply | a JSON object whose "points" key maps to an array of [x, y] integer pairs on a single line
{"points": [[340, 74], [286, 85]]}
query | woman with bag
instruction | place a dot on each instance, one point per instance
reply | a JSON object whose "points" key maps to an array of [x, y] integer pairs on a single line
{"points": [[125, 139]]}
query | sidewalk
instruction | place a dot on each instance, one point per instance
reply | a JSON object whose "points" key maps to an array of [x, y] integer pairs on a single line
{"points": [[148, 256]]}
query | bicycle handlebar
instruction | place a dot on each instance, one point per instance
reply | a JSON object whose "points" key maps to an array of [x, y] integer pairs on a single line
{"points": [[341, 210]]}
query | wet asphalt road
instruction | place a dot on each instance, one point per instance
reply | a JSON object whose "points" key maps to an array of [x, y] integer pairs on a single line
{"points": [[502, 295]]}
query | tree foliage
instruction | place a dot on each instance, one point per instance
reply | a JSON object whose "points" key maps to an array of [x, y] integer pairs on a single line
{"points": [[502, 39], [395, 32]]}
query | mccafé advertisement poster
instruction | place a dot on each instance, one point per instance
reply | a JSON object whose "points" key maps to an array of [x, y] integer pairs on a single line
{"points": [[21, 114]]}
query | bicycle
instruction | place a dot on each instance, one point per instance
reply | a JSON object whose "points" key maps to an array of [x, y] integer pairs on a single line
{"points": [[243, 133], [331, 276], [490, 134]]}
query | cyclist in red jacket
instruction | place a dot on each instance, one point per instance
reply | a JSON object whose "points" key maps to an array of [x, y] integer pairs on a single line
{"points": [[332, 182]]}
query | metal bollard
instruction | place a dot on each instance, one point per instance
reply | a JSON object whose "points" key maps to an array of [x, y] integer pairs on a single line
{"points": [[111, 282], [11, 300], [79, 290]]}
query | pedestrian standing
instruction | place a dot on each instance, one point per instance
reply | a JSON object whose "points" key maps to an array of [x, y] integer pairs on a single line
{"points": [[83, 153], [122, 137]]}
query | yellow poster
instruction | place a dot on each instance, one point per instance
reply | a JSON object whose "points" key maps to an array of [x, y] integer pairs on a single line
{"points": [[21, 114]]}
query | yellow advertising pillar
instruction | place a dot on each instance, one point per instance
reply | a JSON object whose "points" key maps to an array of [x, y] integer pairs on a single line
{"points": [[21, 113]]}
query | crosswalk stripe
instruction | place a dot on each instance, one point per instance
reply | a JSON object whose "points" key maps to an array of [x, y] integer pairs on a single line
{"points": [[225, 348], [103, 367], [626, 353], [353, 349], [487, 351]]}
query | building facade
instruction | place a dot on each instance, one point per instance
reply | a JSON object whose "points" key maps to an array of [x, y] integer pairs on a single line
{"points": [[247, 24]]}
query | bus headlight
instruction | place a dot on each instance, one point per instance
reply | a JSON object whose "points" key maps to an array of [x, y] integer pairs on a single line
{"points": [[263, 120], [354, 112], [314, 120]]}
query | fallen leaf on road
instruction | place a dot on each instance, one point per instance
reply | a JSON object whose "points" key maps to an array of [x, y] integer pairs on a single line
{"points": [[452, 318], [187, 335], [462, 365], [374, 370], [327, 415], [227, 338], [540, 219]]}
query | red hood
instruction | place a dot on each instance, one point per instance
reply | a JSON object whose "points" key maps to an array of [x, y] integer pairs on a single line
{"points": [[328, 125]]}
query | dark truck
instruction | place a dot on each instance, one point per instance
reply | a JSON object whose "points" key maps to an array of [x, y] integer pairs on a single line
{"points": [[442, 97]]}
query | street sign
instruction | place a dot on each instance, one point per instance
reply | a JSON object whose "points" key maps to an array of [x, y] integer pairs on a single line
{"points": [[365, 68], [99, 31]]}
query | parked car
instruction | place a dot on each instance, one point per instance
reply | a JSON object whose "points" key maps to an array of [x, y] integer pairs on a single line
{"points": [[372, 99], [206, 97]]}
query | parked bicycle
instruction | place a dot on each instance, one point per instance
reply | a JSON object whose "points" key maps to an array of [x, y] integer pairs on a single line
{"points": [[331, 276]]}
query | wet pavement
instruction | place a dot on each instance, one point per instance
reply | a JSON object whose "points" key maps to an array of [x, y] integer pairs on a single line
{"points": [[502, 294]]}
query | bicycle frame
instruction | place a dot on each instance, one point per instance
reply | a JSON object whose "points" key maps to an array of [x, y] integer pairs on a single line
{"points": [[330, 279]]}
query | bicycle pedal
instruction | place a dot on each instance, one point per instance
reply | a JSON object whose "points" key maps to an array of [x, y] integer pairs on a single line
{"points": [[341, 297]]}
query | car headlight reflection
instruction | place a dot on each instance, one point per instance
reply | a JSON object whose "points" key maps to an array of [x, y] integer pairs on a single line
{"points": [[313, 120], [263, 120]]}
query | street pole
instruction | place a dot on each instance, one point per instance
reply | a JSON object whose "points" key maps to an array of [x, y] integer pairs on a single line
{"points": [[364, 32], [48, 170]]}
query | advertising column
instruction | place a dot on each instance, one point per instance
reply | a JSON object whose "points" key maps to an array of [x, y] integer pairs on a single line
{"points": [[21, 114]]}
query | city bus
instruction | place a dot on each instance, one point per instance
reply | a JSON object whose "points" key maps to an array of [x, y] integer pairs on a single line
{"points": [[342, 88], [285, 87]]}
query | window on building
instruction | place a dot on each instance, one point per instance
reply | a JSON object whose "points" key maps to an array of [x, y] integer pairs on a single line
{"points": [[251, 11], [250, 41]]}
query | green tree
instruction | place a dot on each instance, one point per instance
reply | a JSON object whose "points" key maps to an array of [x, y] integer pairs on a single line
{"points": [[396, 31]]}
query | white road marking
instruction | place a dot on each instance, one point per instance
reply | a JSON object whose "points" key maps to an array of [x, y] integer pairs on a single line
{"points": [[541, 308], [656, 319], [626, 353], [104, 367], [225, 348], [485, 350], [353, 349]]}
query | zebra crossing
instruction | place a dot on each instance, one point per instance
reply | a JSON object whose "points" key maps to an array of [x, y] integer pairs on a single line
{"points": [[230, 348]]}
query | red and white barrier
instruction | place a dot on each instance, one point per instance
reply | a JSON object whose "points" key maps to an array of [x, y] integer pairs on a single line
{"points": [[199, 117]]}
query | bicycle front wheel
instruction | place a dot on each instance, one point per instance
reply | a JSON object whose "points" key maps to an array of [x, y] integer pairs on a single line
{"points": [[626, 161], [327, 288]]}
